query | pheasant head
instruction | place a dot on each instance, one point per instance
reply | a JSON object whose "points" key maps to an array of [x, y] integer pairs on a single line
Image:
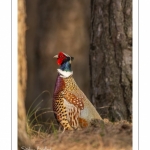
{"points": [[64, 61]]}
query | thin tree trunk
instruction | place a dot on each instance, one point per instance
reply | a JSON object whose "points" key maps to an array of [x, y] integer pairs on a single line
{"points": [[111, 58], [23, 139]]}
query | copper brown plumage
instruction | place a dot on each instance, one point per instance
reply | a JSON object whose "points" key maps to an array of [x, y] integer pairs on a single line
{"points": [[71, 107]]}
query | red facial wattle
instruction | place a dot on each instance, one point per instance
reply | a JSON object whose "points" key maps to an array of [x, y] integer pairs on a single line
{"points": [[61, 58], [59, 61]]}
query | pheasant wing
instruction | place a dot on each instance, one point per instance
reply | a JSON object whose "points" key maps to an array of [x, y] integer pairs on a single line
{"points": [[74, 105]]}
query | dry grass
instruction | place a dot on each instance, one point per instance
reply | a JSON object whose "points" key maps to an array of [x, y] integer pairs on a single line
{"points": [[107, 136], [102, 135]]}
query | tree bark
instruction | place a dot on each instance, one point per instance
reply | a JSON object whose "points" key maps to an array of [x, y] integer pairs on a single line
{"points": [[111, 58], [23, 139]]}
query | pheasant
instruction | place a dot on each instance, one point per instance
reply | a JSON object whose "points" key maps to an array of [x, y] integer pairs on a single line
{"points": [[71, 107]]}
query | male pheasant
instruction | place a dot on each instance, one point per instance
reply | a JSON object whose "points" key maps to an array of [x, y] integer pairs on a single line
{"points": [[71, 107]]}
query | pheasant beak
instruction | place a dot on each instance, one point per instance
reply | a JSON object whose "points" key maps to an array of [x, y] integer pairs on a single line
{"points": [[56, 56]]}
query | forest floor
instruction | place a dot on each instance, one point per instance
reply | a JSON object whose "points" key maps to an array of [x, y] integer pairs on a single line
{"points": [[107, 136]]}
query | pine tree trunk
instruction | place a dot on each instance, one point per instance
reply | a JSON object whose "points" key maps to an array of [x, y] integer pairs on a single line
{"points": [[111, 58], [22, 77]]}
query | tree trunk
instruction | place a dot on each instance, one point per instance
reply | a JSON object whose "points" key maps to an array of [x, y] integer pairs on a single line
{"points": [[22, 77], [111, 58]]}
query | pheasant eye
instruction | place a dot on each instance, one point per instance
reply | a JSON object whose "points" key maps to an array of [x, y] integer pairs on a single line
{"points": [[60, 56]]}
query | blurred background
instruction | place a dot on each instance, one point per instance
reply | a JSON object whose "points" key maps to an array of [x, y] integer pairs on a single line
{"points": [[98, 34], [53, 26]]}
